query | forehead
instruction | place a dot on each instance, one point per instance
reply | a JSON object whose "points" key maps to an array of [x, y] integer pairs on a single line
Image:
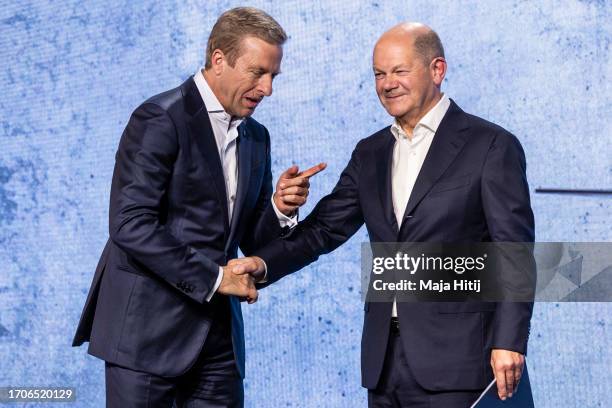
{"points": [[393, 51], [257, 52]]}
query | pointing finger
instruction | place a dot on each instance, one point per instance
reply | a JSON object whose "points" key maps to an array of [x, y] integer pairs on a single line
{"points": [[313, 170]]}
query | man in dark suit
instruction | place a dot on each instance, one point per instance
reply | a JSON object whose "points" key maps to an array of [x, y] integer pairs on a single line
{"points": [[436, 175], [192, 183]]}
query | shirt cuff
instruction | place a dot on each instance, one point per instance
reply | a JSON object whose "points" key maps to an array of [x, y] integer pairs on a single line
{"points": [[283, 220], [217, 284], [265, 277]]}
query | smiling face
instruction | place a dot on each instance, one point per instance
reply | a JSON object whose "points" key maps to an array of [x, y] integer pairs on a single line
{"points": [[240, 88], [407, 86]]}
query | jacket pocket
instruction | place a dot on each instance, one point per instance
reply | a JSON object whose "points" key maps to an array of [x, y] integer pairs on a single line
{"points": [[130, 270]]}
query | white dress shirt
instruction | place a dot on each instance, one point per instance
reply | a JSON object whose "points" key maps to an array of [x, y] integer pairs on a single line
{"points": [[408, 158], [225, 130]]}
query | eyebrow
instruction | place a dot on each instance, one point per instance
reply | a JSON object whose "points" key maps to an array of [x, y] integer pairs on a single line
{"points": [[393, 68], [263, 70]]}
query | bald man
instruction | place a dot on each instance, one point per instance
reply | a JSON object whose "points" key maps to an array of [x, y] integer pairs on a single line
{"points": [[436, 174]]}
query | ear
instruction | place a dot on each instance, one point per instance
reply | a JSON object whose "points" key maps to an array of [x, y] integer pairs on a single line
{"points": [[438, 70], [218, 61]]}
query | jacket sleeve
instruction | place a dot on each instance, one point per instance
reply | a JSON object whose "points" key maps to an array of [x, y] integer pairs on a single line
{"points": [[331, 223], [143, 170], [507, 210]]}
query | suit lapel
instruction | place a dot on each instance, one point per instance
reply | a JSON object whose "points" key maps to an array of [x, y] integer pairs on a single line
{"points": [[447, 143], [201, 131], [384, 162], [245, 155]]}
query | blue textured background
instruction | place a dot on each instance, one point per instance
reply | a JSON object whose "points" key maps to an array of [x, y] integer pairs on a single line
{"points": [[71, 74]]}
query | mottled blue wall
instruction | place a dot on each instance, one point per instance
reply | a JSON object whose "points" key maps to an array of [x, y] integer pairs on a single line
{"points": [[72, 72]]}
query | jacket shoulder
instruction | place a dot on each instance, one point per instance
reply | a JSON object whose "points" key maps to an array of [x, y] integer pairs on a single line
{"points": [[490, 132], [375, 139], [168, 100]]}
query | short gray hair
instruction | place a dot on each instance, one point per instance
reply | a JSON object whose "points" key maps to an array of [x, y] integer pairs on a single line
{"points": [[428, 46]]}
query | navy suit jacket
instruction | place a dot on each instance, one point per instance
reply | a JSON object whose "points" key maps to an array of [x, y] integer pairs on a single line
{"points": [[169, 232], [472, 188]]}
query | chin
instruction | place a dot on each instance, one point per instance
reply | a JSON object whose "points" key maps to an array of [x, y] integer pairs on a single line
{"points": [[396, 112], [242, 112]]}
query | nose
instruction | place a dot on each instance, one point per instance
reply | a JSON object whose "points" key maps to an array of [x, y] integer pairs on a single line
{"points": [[389, 83], [265, 85]]}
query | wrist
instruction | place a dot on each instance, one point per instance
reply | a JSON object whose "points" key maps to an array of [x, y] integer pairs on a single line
{"points": [[281, 207], [260, 274]]}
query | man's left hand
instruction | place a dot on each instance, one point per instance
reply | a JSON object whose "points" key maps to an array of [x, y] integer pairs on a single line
{"points": [[508, 367], [292, 188]]}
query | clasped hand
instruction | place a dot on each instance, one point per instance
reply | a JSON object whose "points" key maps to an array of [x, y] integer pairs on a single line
{"points": [[240, 276]]}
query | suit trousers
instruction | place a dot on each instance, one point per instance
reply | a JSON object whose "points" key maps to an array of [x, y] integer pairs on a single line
{"points": [[212, 382], [397, 387]]}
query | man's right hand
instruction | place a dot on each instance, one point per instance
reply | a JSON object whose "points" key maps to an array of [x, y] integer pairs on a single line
{"points": [[252, 266], [240, 285]]}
